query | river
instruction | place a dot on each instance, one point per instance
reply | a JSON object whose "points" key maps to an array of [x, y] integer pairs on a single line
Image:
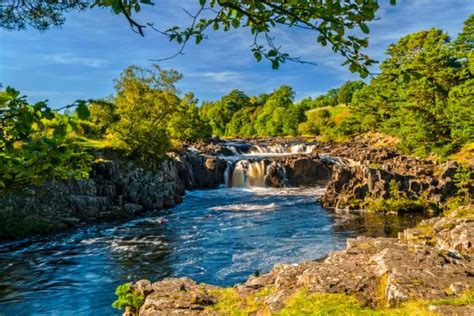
{"points": [[216, 236]]}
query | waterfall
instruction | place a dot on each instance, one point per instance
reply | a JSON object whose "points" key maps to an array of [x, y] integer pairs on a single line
{"points": [[256, 174], [233, 150], [244, 173], [238, 175], [281, 149], [252, 165]]}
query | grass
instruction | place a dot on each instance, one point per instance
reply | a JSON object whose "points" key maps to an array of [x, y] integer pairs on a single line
{"points": [[302, 303], [333, 110], [465, 155], [230, 303], [97, 143], [320, 304]]}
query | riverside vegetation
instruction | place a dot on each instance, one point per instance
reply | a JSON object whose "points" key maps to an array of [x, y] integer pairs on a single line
{"points": [[422, 101]]}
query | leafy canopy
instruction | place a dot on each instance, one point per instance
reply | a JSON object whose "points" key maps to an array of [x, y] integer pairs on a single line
{"points": [[341, 25], [38, 144], [146, 116]]}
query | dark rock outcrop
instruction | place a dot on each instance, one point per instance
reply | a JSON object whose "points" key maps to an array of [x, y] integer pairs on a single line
{"points": [[351, 184], [115, 189]]}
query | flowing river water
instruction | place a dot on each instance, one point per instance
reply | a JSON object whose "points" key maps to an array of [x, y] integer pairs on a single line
{"points": [[218, 236]]}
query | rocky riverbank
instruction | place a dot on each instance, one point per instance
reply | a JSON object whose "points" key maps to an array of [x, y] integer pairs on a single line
{"points": [[430, 264], [357, 174], [116, 189], [433, 268]]}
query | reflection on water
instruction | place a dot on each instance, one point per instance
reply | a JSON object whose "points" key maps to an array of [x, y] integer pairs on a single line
{"points": [[215, 236]]}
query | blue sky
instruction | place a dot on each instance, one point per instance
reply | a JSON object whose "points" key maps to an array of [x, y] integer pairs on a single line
{"points": [[81, 60]]}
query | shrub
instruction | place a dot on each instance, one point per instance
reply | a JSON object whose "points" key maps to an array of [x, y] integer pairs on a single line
{"points": [[127, 297]]}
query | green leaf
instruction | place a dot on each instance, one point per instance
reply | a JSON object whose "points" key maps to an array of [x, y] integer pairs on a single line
{"points": [[275, 64], [258, 56], [272, 53], [353, 67], [82, 111], [364, 28]]}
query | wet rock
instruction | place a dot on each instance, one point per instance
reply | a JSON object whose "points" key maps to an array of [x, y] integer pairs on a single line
{"points": [[180, 296], [308, 171], [132, 208]]}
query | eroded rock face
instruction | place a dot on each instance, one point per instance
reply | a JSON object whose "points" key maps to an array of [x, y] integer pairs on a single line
{"points": [[453, 233], [298, 171], [379, 271], [115, 189], [351, 184], [180, 296]]}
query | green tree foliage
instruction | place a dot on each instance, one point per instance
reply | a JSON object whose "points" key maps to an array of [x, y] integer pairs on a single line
{"points": [[241, 124], [460, 112], [186, 124], [127, 297], [278, 116], [464, 43], [347, 90], [423, 95], [38, 144], [317, 121], [102, 117], [218, 114], [330, 21], [147, 115], [38, 14]]}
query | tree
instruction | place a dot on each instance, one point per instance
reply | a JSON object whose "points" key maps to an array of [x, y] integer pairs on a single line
{"points": [[145, 102], [38, 144], [330, 21], [416, 97], [102, 116], [464, 43], [38, 14], [317, 121], [186, 124], [242, 123], [460, 112], [220, 113], [347, 90], [271, 119]]}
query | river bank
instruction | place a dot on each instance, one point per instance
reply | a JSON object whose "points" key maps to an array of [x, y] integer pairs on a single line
{"points": [[347, 177], [358, 174]]}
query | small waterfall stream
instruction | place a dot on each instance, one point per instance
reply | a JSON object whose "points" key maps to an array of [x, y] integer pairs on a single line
{"points": [[250, 168], [245, 173]]}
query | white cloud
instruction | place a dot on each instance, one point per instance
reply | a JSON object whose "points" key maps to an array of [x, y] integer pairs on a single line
{"points": [[218, 76], [72, 59]]}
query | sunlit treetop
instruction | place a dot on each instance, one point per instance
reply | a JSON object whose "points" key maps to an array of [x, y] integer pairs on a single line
{"points": [[341, 25]]}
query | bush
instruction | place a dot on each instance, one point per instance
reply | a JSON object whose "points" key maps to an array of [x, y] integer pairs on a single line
{"points": [[127, 297]]}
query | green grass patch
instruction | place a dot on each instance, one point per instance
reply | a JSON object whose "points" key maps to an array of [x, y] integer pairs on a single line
{"points": [[466, 299], [465, 155], [321, 304], [230, 303]]}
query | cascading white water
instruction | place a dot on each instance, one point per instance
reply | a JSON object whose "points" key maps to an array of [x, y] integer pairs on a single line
{"points": [[238, 175], [245, 173], [250, 169], [256, 174], [276, 150]]}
